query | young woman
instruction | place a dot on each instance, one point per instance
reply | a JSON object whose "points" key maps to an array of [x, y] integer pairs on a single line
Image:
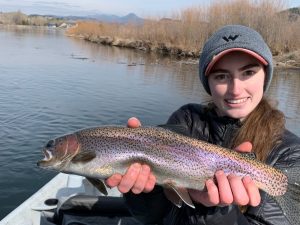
{"points": [[236, 70]]}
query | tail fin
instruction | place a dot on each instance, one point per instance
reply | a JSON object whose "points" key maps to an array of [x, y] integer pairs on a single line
{"points": [[290, 201]]}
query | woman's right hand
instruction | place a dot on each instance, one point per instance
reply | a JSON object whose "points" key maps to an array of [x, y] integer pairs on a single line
{"points": [[138, 177], [229, 189]]}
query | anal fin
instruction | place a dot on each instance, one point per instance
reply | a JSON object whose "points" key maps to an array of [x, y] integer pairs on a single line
{"points": [[177, 195], [173, 197]]}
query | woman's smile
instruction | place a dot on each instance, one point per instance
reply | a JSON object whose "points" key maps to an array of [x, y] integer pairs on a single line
{"points": [[234, 102]]}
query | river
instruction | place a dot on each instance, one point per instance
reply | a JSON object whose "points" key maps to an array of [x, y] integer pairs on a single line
{"points": [[51, 84]]}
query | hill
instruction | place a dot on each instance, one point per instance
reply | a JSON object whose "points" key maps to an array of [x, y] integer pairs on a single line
{"points": [[129, 18]]}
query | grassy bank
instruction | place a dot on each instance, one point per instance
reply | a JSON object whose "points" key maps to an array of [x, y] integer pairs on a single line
{"points": [[186, 31]]}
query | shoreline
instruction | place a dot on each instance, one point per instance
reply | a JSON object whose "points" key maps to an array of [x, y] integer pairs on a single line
{"points": [[146, 46], [290, 60]]}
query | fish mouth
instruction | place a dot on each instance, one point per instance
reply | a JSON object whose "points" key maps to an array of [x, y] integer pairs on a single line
{"points": [[47, 157], [47, 154]]}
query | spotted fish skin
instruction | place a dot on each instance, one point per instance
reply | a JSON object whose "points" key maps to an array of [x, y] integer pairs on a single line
{"points": [[185, 162]]}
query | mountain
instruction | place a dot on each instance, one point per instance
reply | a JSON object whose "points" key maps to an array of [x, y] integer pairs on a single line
{"points": [[130, 18]]}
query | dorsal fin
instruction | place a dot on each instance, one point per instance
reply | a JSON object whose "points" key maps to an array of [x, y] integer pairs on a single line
{"points": [[179, 129], [249, 155]]}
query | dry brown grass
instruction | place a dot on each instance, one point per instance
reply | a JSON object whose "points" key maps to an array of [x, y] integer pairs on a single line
{"points": [[188, 29]]}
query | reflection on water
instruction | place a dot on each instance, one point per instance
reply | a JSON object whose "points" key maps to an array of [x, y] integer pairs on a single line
{"points": [[51, 84], [286, 90], [152, 67]]}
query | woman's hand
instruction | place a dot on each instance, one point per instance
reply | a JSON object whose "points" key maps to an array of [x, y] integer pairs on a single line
{"points": [[229, 189], [138, 178]]}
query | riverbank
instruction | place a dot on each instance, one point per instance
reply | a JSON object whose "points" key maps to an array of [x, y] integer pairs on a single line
{"points": [[184, 33], [280, 60], [288, 60], [147, 46]]}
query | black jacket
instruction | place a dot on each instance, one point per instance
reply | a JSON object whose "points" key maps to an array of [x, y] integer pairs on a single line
{"points": [[203, 123]]}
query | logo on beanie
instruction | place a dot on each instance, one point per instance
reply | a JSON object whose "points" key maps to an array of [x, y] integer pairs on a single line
{"points": [[230, 38]]}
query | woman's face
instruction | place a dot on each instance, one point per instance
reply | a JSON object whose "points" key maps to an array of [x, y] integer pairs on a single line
{"points": [[236, 82]]}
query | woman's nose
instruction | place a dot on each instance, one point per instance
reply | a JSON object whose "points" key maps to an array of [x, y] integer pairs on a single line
{"points": [[236, 86]]}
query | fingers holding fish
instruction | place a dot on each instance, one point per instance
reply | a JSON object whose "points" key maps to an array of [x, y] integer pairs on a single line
{"points": [[150, 183], [141, 180], [252, 190], [244, 147], [238, 190], [207, 197], [114, 180], [129, 178], [211, 197], [133, 122], [227, 190], [224, 189], [138, 178]]}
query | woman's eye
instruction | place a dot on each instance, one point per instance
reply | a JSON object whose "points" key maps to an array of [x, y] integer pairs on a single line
{"points": [[249, 72], [220, 77]]}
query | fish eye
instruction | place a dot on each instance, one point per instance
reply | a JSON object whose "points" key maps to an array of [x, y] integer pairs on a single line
{"points": [[50, 144]]}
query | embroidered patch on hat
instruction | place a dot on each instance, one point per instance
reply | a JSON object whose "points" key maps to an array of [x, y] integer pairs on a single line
{"points": [[230, 37]]}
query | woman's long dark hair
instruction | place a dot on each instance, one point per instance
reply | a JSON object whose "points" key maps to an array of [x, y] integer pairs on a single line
{"points": [[263, 127]]}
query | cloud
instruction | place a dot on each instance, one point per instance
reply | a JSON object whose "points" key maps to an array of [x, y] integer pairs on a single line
{"points": [[55, 4], [41, 7]]}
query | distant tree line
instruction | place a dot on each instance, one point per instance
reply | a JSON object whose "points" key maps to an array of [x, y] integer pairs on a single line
{"points": [[19, 18], [187, 30]]}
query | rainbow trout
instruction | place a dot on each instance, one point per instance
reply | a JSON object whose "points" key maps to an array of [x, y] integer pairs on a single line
{"points": [[177, 161]]}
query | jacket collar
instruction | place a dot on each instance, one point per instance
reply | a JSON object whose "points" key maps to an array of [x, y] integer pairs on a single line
{"points": [[221, 129], [225, 120]]}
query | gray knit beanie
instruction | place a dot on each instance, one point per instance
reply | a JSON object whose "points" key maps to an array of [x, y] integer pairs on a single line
{"points": [[231, 38]]}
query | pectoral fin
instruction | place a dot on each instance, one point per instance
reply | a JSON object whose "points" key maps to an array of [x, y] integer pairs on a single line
{"points": [[84, 157], [98, 184], [177, 195]]}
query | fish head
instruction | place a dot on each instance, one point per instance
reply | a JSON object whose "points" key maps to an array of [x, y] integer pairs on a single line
{"points": [[59, 152]]}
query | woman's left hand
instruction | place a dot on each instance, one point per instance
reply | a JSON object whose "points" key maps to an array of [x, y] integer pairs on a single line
{"points": [[229, 189]]}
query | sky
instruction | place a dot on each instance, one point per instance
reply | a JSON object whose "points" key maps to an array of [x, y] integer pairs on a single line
{"points": [[142, 8]]}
